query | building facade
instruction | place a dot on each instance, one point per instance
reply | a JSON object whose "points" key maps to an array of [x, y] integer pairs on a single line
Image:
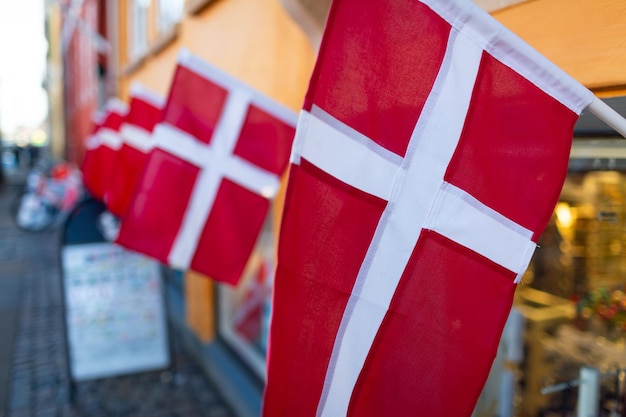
{"points": [[82, 49], [271, 45]]}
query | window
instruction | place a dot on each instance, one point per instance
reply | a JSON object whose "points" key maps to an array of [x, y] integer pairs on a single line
{"points": [[150, 24], [244, 310], [138, 28], [170, 13]]}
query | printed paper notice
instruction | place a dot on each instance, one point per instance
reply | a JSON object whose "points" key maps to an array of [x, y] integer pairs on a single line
{"points": [[114, 311]]}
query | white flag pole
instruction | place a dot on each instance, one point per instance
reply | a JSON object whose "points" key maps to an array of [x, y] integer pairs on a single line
{"points": [[609, 116]]}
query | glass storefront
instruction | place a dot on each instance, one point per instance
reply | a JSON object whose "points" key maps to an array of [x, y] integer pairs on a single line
{"points": [[570, 310], [583, 247], [244, 311]]}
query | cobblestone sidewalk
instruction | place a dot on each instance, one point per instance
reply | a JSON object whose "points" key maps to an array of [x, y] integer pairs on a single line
{"points": [[38, 383]]}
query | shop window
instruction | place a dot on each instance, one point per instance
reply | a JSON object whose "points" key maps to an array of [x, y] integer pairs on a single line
{"points": [[583, 249], [138, 30], [572, 299], [244, 311]]}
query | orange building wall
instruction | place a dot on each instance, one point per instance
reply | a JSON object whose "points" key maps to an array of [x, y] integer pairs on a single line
{"points": [[253, 40], [586, 38]]}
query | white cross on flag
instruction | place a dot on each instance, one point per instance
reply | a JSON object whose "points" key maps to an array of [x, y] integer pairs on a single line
{"points": [[429, 155], [102, 147], [145, 109], [216, 163]]}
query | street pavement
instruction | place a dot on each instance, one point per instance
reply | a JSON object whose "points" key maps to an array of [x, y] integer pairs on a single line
{"points": [[34, 378]]}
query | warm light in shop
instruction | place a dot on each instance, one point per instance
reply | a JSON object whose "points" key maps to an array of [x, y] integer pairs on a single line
{"points": [[564, 215]]}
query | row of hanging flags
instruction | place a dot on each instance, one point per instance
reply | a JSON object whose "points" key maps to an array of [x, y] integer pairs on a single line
{"points": [[428, 157], [191, 177]]}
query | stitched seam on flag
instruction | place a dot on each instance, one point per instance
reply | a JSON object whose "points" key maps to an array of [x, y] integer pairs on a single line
{"points": [[136, 137], [338, 403], [507, 243], [478, 205], [413, 150], [355, 135], [496, 39], [365, 169], [427, 157], [427, 110]]}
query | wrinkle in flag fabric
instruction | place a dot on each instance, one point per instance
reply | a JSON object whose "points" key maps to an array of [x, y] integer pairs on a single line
{"points": [[429, 154]]}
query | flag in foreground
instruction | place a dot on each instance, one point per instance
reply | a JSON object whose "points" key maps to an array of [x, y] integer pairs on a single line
{"points": [[145, 108], [429, 155], [102, 147], [217, 159]]}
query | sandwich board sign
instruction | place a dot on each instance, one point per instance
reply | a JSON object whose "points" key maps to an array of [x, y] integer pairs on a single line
{"points": [[114, 304]]}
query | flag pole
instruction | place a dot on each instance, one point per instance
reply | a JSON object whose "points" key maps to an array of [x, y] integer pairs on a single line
{"points": [[609, 116]]}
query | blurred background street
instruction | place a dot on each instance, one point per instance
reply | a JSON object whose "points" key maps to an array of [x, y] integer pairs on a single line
{"points": [[33, 369]]}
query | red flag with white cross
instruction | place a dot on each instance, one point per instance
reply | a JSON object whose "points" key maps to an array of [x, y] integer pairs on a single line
{"points": [[145, 111], [429, 155], [216, 164], [102, 147]]}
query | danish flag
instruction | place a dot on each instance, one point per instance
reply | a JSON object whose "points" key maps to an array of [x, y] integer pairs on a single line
{"points": [[145, 109], [102, 147], [429, 155], [216, 164]]}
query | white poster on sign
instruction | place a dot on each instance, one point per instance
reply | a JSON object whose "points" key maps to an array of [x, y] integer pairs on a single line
{"points": [[114, 311]]}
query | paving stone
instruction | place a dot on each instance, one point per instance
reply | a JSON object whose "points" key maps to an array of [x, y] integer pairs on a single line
{"points": [[39, 383], [19, 413]]}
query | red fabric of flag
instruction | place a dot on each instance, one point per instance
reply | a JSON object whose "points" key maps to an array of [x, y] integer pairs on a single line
{"points": [[145, 111], [102, 148], [429, 155], [88, 166], [207, 185]]}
